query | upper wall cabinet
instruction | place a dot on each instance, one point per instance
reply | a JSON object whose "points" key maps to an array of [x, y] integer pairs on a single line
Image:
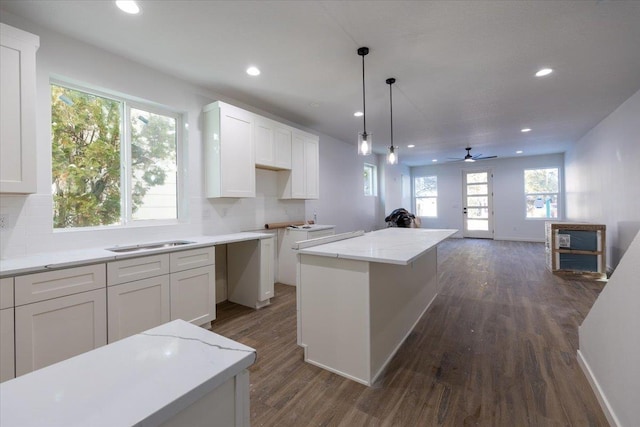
{"points": [[273, 144], [229, 151], [302, 182], [18, 110]]}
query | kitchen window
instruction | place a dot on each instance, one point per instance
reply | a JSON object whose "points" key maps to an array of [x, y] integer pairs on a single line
{"points": [[114, 161], [541, 188], [370, 180], [426, 196]]}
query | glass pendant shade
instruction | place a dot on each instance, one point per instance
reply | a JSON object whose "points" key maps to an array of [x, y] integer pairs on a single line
{"points": [[392, 156], [364, 143]]}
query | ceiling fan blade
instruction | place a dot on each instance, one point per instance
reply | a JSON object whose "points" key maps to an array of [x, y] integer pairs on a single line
{"points": [[484, 158]]}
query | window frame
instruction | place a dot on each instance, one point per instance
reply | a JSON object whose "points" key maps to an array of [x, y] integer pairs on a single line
{"points": [[373, 179], [558, 195], [415, 197], [126, 170]]}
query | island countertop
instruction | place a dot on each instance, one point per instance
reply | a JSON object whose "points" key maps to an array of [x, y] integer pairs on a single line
{"points": [[144, 379], [390, 245]]}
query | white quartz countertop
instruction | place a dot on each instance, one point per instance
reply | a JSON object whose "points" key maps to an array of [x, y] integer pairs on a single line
{"points": [[63, 259], [390, 245], [144, 379]]}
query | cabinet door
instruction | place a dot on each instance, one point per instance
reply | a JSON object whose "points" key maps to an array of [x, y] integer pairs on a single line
{"points": [[57, 329], [264, 143], [229, 165], [282, 143], [137, 306], [298, 186], [18, 110], [7, 356], [311, 168], [193, 295], [265, 290]]}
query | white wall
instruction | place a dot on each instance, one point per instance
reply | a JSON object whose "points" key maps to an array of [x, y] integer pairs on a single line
{"points": [[508, 195], [395, 194], [602, 187], [603, 177], [29, 217]]}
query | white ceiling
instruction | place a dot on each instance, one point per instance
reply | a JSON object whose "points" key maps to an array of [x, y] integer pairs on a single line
{"points": [[464, 69]]}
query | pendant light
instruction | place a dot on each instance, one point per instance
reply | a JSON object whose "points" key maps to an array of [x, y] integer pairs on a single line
{"points": [[392, 156], [364, 138]]}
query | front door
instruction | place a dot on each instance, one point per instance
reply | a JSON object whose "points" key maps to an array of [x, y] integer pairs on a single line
{"points": [[477, 204]]}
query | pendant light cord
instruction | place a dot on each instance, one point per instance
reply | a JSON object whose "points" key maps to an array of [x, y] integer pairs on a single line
{"points": [[364, 104], [391, 107]]}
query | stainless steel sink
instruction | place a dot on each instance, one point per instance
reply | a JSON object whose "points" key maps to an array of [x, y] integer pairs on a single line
{"points": [[147, 246]]}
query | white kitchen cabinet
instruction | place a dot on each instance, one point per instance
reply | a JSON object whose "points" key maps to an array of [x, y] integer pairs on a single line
{"points": [[229, 151], [7, 355], [18, 110], [272, 144], [249, 263], [193, 258], [50, 331], [287, 260], [302, 182], [137, 306], [193, 295]]}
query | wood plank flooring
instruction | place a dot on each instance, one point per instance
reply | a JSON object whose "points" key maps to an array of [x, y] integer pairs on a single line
{"points": [[496, 348]]}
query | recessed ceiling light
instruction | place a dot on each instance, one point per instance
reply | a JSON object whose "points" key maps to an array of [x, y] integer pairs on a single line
{"points": [[253, 71], [358, 114], [128, 6], [525, 130], [434, 160], [410, 145], [544, 72], [519, 152]]}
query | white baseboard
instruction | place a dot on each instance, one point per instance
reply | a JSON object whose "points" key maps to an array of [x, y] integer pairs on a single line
{"points": [[595, 386], [519, 239]]}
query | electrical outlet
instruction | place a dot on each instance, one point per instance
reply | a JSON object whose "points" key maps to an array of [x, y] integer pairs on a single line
{"points": [[3, 221]]}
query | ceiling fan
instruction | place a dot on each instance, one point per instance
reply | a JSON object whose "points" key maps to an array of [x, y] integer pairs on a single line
{"points": [[469, 158]]}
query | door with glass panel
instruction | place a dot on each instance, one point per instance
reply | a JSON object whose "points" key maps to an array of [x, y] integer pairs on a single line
{"points": [[477, 204]]}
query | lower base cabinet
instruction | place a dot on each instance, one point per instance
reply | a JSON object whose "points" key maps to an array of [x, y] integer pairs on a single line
{"points": [[50, 331], [7, 356], [137, 306], [193, 295]]}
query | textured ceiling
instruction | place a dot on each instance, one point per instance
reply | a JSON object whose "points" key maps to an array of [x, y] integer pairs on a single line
{"points": [[464, 69]]}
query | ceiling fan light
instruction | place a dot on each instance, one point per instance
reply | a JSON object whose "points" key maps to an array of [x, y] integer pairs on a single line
{"points": [[469, 159]]}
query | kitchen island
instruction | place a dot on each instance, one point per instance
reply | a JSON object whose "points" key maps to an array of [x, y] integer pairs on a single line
{"points": [[359, 298], [176, 374]]}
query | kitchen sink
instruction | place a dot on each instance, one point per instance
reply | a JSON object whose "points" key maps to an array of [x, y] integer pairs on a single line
{"points": [[148, 246]]}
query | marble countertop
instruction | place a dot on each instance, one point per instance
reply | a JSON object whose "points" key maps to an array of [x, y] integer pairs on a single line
{"points": [[390, 245], [63, 259], [144, 379]]}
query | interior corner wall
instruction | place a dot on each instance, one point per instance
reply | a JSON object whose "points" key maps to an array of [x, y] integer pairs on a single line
{"points": [[603, 177], [342, 201], [395, 188], [508, 195]]}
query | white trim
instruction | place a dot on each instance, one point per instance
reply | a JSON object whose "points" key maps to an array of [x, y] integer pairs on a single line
{"points": [[597, 390]]}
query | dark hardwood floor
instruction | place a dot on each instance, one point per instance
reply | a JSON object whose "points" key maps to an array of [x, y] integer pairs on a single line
{"points": [[496, 348]]}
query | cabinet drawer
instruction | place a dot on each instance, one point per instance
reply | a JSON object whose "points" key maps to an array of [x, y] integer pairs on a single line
{"points": [[184, 260], [58, 283], [6, 292], [132, 269]]}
